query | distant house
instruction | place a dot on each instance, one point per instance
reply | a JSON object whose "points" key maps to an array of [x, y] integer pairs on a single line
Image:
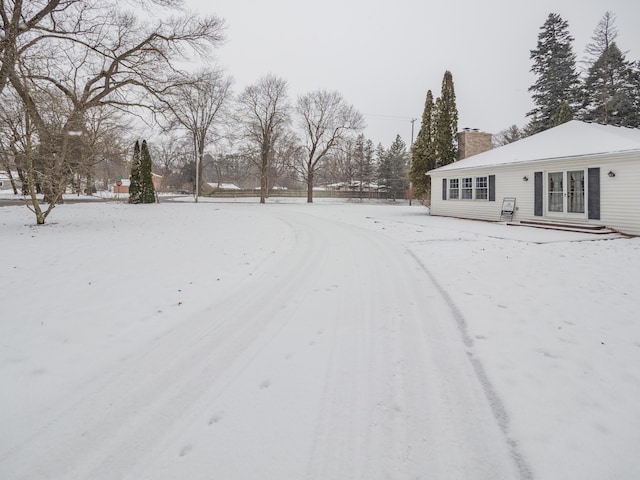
{"points": [[221, 186], [354, 186], [5, 181], [125, 183], [157, 181], [120, 186], [575, 173]]}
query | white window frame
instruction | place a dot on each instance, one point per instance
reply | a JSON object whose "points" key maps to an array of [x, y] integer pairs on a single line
{"points": [[455, 189], [468, 188], [481, 189]]}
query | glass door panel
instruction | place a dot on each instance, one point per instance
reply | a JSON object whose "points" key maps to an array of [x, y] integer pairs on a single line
{"points": [[556, 192], [575, 191]]}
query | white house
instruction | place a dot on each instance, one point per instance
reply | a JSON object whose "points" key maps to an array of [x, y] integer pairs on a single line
{"points": [[223, 186], [5, 181], [577, 172]]}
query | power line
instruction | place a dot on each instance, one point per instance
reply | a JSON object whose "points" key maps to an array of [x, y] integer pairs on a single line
{"points": [[391, 117]]}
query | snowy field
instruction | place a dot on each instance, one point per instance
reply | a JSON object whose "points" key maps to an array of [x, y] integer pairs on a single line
{"points": [[332, 341]]}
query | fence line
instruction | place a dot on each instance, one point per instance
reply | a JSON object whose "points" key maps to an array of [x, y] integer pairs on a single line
{"points": [[303, 194]]}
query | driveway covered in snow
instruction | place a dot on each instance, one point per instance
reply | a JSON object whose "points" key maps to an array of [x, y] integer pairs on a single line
{"points": [[332, 341]]}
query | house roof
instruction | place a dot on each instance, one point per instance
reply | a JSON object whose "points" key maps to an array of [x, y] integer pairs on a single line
{"points": [[224, 186], [571, 139]]}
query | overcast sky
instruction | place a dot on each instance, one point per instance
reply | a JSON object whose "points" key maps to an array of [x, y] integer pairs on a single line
{"points": [[383, 56]]}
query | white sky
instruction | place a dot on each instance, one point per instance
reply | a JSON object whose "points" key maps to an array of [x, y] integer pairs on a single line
{"points": [[384, 56]]}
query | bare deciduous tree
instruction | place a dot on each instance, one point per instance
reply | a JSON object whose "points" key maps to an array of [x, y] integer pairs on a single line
{"points": [[12, 137], [264, 114], [19, 20], [168, 154], [325, 119], [196, 104], [92, 54]]}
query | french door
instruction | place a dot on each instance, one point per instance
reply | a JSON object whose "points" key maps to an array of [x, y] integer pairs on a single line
{"points": [[566, 193]]}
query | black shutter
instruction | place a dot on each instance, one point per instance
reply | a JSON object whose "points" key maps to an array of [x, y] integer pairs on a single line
{"points": [[492, 188], [594, 193], [444, 188], [537, 186]]}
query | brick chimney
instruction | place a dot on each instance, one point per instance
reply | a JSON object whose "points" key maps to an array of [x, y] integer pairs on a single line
{"points": [[471, 141]]}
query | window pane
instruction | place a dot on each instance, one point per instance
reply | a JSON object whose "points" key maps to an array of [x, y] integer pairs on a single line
{"points": [[453, 188], [481, 188], [467, 188], [575, 193], [556, 191]]}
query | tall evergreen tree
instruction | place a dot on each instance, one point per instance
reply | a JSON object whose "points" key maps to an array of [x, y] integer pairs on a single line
{"points": [[446, 123], [609, 89], [383, 170], [423, 156], [369, 170], [147, 190], [135, 185], [563, 114], [392, 169], [634, 117], [508, 135], [363, 160], [554, 64]]}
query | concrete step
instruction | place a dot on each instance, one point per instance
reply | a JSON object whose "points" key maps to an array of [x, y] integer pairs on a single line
{"points": [[566, 227]]}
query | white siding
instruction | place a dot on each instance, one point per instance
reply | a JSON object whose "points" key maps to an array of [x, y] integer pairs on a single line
{"points": [[619, 195]]}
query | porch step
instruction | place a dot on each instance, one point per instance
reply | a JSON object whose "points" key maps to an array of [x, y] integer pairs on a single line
{"points": [[566, 227]]}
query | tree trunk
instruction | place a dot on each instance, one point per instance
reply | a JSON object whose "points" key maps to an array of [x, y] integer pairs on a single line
{"points": [[12, 180], [264, 175], [263, 187], [310, 185]]}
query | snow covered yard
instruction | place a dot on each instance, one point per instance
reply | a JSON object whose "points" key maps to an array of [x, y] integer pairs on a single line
{"points": [[333, 340]]}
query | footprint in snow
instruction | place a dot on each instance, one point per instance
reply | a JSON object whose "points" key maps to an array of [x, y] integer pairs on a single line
{"points": [[216, 418], [265, 384], [185, 450]]}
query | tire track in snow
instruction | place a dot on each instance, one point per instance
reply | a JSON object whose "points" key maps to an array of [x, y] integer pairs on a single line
{"points": [[400, 397], [493, 398], [117, 423], [397, 397]]}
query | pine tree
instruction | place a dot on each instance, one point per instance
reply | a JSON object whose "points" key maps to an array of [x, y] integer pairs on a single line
{"points": [[563, 114], [446, 123], [609, 89], [423, 157], [383, 170], [554, 63], [363, 159], [369, 170], [147, 191], [508, 135], [135, 179], [634, 117], [397, 160]]}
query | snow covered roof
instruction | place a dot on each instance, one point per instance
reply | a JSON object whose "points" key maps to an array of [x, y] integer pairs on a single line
{"points": [[224, 186], [571, 139], [4, 176]]}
